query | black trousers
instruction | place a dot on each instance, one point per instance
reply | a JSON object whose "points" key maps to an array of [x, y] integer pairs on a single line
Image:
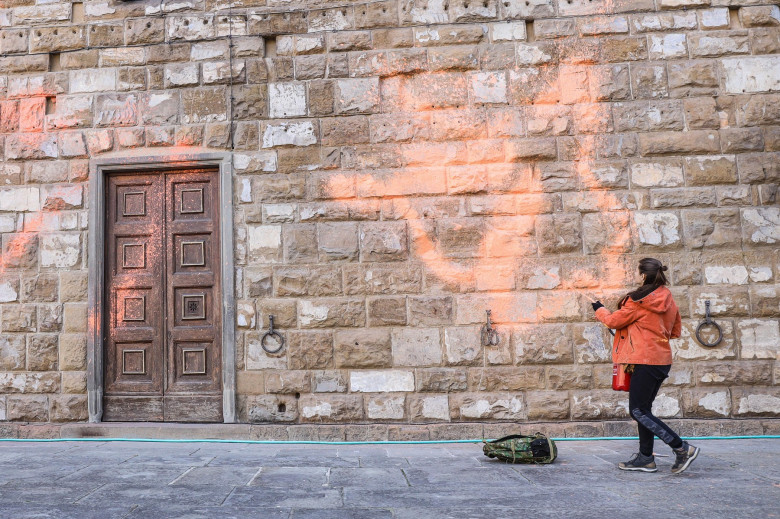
{"points": [[645, 383]]}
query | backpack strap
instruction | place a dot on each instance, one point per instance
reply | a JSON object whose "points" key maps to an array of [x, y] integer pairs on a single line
{"points": [[511, 437]]}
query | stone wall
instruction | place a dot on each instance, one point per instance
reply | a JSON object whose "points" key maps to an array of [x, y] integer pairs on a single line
{"points": [[401, 167]]}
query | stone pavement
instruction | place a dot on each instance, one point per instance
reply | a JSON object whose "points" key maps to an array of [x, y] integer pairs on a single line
{"points": [[106, 480]]}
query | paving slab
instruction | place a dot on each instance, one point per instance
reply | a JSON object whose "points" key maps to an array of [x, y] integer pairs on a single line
{"points": [[731, 479]]}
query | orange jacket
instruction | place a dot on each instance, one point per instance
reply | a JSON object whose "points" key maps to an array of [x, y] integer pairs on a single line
{"points": [[643, 328]]}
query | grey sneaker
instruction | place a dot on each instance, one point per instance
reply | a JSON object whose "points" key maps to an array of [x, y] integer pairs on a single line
{"points": [[639, 462], [685, 455]]}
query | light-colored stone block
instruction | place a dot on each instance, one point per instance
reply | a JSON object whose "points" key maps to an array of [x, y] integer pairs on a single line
{"points": [[287, 99], [20, 199], [717, 275], [507, 31], [657, 174], [416, 347], [381, 381], [386, 407], [289, 134], [61, 250], [658, 229], [92, 80], [488, 87], [668, 46], [760, 338], [752, 74]]}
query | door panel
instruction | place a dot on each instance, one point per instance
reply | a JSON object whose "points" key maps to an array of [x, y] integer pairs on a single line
{"points": [[163, 344], [194, 371], [134, 344]]}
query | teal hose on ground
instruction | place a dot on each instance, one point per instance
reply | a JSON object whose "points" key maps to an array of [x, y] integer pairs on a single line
{"points": [[304, 442]]}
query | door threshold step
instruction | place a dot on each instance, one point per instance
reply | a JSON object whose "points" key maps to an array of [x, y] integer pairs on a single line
{"points": [[157, 431]]}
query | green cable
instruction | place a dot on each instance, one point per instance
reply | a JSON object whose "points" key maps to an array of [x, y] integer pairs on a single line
{"points": [[397, 442]]}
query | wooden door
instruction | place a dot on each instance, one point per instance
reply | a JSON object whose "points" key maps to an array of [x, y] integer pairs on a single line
{"points": [[163, 355]]}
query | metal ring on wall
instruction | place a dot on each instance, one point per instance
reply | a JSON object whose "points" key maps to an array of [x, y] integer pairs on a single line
{"points": [[272, 333], [708, 322]]}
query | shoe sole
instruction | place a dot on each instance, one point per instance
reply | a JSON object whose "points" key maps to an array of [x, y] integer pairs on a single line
{"points": [[638, 469], [688, 462]]}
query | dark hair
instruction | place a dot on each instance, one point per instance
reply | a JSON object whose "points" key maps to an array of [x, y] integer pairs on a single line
{"points": [[653, 271]]}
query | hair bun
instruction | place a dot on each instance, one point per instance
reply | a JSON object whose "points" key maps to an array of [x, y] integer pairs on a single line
{"points": [[664, 268]]}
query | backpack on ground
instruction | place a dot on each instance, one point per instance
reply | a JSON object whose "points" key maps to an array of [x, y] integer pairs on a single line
{"points": [[519, 448]]}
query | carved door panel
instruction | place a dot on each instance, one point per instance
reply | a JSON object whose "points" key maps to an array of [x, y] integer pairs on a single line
{"points": [[193, 388], [163, 300]]}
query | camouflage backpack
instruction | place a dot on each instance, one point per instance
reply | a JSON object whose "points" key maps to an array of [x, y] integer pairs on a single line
{"points": [[519, 448]]}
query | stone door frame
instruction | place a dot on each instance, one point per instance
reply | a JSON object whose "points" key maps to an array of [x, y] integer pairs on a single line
{"points": [[146, 160]]}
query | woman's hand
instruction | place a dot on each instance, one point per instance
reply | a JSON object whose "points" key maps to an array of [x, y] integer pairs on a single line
{"points": [[596, 305]]}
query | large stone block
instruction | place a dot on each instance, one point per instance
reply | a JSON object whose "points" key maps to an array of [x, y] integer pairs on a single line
{"points": [[20, 199], [711, 228], [73, 352], [753, 74], [386, 311], [386, 241], [68, 408], [42, 352], [12, 352], [724, 300], [329, 381], [462, 346], [717, 44], [417, 347], [386, 407], [431, 310], [755, 401], [326, 313], [559, 233], [687, 347], [663, 143], [60, 250], [759, 338], [590, 343], [300, 243], [19, 318], [426, 408], [734, 373], [287, 99], [707, 403], [41, 382], [92, 80], [203, 105], [381, 381], [369, 348], [657, 174], [761, 225], [331, 408], [488, 406], [27, 408], [547, 405], [257, 358], [287, 382], [441, 380], [658, 230], [310, 349], [542, 344], [31, 146], [598, 404], [270, 408], [607, 232], [381, 279]]}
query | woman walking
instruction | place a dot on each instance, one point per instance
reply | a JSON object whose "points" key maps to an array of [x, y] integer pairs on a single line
{"points": [[645, 321]]}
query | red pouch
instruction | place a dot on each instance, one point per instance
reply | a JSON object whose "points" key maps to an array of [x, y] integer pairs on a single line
{"points": [[621, 381]]}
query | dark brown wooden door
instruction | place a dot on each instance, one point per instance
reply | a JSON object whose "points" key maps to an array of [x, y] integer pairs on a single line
{"points": [[163, 355]]}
